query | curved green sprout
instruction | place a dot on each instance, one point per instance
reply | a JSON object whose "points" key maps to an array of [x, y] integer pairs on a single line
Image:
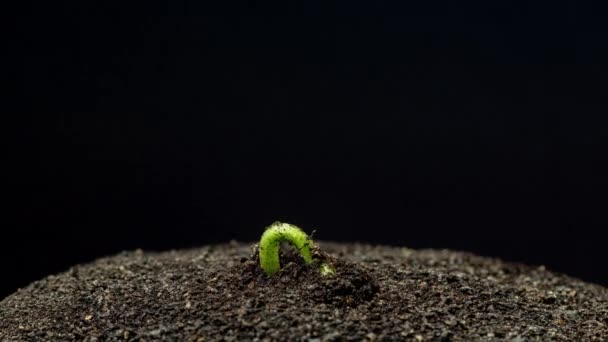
{"points": [[271, 241]]}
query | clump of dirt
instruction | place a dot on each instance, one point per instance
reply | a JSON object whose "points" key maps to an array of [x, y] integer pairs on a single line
{"points": [[379, 293], [350, 286]]}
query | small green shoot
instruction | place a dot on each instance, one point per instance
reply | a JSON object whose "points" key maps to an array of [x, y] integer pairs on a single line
{"points": [[271, 241]]}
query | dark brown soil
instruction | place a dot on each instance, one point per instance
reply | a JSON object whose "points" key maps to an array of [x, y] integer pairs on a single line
{"points": [[380, 293]]}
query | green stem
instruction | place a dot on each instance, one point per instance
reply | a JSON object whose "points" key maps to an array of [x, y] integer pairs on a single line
{"points": [[271, 241]]}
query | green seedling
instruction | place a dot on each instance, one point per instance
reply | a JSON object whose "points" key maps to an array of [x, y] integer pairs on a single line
{"points": [[271, 241]]}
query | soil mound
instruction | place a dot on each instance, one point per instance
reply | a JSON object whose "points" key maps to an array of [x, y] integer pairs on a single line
{"points": [[379, 293]]}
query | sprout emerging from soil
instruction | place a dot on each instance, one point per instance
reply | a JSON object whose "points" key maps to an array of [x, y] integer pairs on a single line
{"points": [[271, 241]]}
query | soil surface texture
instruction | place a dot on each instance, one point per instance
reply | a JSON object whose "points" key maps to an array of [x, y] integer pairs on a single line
{"points": [[379, 293]]}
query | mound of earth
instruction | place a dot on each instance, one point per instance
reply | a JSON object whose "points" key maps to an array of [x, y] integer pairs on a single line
{"points": [[379, 293]]}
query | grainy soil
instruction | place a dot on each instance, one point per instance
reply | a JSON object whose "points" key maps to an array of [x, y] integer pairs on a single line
{"points": [[379, 293]]}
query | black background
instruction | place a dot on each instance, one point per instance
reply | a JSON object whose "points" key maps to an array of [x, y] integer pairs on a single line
{"points": [[178, 124]]}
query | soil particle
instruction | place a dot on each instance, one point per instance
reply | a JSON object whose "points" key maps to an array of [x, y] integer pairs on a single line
{"points": [[379, 293]]}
